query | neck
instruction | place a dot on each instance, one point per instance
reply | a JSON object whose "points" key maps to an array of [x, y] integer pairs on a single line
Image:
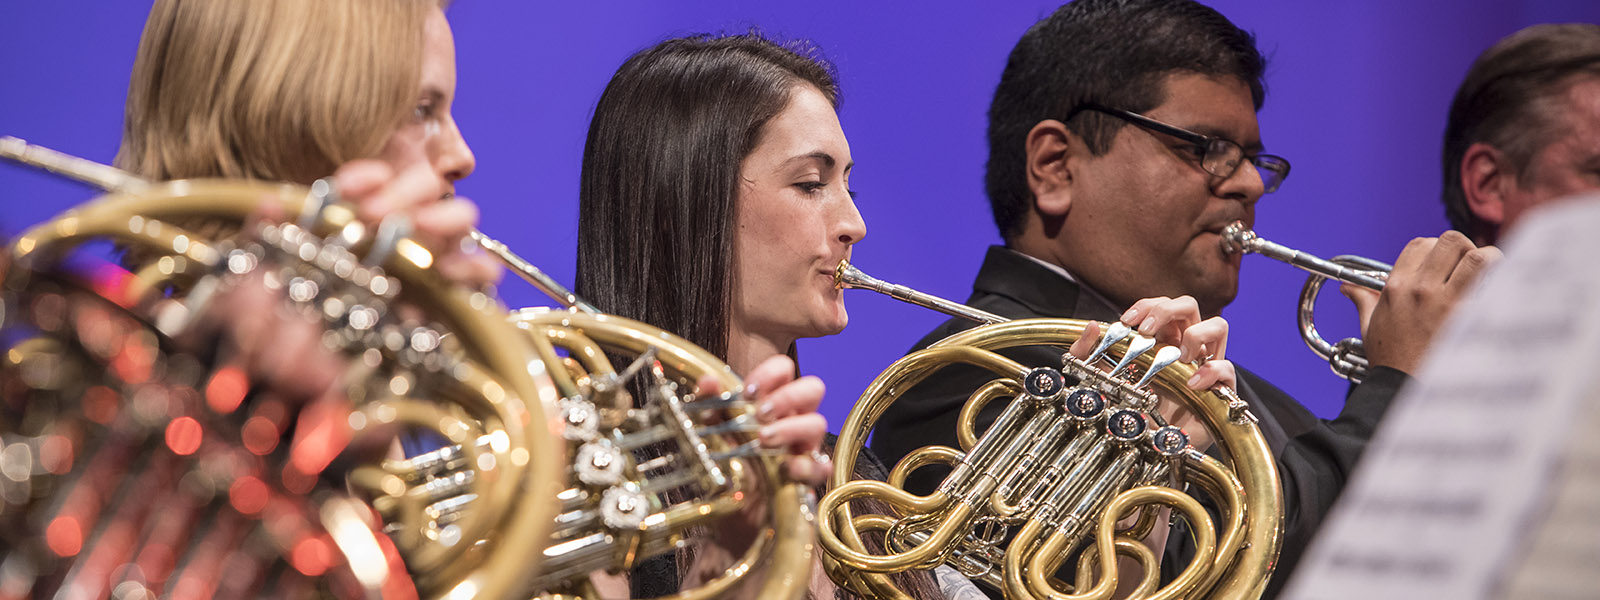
{"points": [[1039, 247], [747, 349]]}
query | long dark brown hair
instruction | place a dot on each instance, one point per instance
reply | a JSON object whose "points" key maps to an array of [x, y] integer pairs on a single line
{"points": [[661, 175], [661, 179]]}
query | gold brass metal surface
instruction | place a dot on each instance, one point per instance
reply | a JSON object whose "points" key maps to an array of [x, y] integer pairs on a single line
{"points": [[705, 445], [224, 510], [497, 512], [1053, 480]]}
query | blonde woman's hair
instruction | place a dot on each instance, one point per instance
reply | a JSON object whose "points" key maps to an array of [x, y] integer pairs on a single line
{"points": [[283, 90]]}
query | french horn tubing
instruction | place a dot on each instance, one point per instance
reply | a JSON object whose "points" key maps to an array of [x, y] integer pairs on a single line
{"points": [[621, 506], [134, 468], [645, 471], [614, 506], [1347, 357], [1077, 449]]}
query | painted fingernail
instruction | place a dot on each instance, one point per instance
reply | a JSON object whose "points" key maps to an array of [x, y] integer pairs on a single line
{"points": [[764, 412], [1148, 325], [821, 457], [1194, 380], [1128, 317]]}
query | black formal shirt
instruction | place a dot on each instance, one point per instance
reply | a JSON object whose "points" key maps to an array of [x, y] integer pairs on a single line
{"points": [[1314, 456]]}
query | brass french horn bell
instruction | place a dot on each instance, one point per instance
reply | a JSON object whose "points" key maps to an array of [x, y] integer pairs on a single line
{"points": [[164, 477], [1348, 357], [1077, 449]]}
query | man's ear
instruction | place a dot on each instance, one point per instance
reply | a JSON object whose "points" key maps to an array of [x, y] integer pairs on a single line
{"points": [[1049, 145], [1486, 181]]}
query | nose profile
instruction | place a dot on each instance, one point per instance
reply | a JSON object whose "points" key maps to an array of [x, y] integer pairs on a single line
{"points": [[851, 226], [1245, 185], [454, 160]]}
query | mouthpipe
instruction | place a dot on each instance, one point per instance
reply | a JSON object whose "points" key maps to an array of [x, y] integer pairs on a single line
{"points": [[112, 179], [105, 177], [530, 273], [1236, 239], [849, 277]]}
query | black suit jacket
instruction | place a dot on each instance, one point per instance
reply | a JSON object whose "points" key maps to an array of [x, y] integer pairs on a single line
{"points": [[1315, 456]]}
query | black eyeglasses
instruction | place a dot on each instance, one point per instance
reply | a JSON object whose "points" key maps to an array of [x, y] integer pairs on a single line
{"points": [[1218, 156]]}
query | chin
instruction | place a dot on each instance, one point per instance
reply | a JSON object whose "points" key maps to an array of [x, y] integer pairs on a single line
{"points": [[836, 326], [833, 322], [1215, 293], [1212, 301]]}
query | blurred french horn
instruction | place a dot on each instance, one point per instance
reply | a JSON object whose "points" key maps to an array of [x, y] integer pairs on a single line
{"points": [[490, 514], [1077, 449], [133, 469]]}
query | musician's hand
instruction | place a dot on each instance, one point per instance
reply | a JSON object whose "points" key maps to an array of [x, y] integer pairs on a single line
{"points": [[787, 410], [440, 223], [1177, 322], [1428, 279]]}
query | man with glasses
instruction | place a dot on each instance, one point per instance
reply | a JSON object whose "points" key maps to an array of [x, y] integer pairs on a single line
{"points": [[1097, 214]]}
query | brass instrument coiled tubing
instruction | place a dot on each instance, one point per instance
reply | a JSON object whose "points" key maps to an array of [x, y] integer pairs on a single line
{"points": [[465, 521], [141, 466], [1078, 448]]}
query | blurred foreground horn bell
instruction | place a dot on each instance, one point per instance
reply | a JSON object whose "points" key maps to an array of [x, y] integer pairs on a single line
{"points": [[134, 464]]}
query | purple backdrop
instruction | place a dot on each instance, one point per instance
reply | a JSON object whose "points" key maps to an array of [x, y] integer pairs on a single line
{"points": [[1357, 96]]}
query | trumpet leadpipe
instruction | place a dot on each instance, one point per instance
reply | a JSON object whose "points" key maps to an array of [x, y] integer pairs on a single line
{"points": [[1371, 274]]}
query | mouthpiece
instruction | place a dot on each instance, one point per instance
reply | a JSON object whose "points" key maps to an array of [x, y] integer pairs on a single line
{"points": [[1236, 239]]}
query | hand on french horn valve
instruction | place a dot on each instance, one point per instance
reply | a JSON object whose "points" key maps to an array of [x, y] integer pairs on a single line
{"points": [[786, 407], [1177, 322], [441, 219]]}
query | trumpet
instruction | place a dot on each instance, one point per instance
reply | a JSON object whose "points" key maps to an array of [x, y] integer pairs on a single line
{"points": [[1076, 449], [1347, 357]]}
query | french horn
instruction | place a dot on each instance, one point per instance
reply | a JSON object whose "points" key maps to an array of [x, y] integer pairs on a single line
{"points": [[653, 457], [609, 506], [136, 466], [1078, 448], [1347, 357], [644, 473]]}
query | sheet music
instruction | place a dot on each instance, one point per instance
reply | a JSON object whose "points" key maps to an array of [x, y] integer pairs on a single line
{"points": [[1491, 457]]}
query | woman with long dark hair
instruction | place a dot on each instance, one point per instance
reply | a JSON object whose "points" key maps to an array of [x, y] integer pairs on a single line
{"points": [[715, 203]]}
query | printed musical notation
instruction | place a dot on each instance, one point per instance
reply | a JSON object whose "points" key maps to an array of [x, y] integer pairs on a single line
{"points": [[1483, 478]]}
